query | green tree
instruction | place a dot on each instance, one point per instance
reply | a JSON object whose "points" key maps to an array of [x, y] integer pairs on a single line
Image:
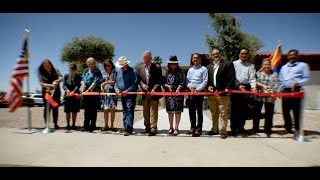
{"points": [[137, 65], [139, 96], [229, 38], [83, 47], [157, 60]]}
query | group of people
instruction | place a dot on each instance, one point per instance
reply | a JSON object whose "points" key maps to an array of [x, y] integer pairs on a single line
{"points": [[220, 75]]}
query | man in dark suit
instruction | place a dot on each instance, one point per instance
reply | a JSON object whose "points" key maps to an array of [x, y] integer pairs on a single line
{"points": [[150, 75], [221, 76]]}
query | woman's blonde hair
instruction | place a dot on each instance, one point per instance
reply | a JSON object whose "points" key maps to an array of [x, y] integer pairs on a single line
{"points": [[264, 60]]}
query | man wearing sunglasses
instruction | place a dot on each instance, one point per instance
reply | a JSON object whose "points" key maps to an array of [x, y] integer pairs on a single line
{"points": [[221, 75]]}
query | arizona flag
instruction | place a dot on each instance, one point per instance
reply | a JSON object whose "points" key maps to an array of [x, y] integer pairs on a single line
{"points": [[276, 59], [20, 70]]}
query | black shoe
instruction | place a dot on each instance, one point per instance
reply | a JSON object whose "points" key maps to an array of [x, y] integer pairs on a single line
{"points": [[113, 129], [210, 133], [255, 130], [68, 128], [223, 136], [84, 129], [105, 129], [56, 126], [233, 133], [126, 133], [73, 127], [90, 130], [152, 133], [171, 131], [242, 131]]}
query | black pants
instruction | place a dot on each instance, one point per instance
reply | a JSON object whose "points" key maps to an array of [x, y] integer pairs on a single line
{"points": [[287, 105], [269, 110], [239, 110], [91, 105], [195, 106]]}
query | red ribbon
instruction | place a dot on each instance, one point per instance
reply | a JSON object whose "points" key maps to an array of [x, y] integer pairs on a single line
{"points": [[50, 100], [290, 95], [76, 95]]}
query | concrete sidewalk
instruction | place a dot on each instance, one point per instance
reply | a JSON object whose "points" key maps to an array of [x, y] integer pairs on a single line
{"points": [[184, 125], [98, 149]]}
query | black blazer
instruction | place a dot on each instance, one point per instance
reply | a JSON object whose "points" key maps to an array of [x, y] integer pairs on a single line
{"points": [[225, 76], [155, 79]]}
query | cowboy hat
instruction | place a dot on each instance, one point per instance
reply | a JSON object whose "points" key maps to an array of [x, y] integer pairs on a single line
{"points": [[122, 61], [173, 59]]}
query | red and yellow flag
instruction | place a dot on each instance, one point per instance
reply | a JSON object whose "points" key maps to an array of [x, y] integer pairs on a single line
{"points": [[276, 59]]}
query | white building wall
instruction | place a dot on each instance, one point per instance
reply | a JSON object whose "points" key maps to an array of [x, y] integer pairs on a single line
{"points": [[312, 94]]}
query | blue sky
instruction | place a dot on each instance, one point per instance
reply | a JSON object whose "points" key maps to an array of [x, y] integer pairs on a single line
{"points": [[164, 34]]}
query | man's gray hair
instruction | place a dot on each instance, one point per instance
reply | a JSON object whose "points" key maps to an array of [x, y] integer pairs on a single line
{"points": [[147, 52], [91, 60]]}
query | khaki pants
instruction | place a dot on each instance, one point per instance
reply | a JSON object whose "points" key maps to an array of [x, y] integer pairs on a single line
{"points": [[153, 113], [219, 106]]}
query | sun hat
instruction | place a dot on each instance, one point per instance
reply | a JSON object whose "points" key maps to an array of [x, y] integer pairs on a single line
{"points": [[122, 61]]}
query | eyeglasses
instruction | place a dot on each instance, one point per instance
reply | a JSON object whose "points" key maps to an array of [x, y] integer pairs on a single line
{"points": [[215, 53], [244, 53]]}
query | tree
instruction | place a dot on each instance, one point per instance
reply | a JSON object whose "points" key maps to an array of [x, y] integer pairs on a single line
{"points": [[81, 48], [137, 65], [229, 38], [157, 60]]}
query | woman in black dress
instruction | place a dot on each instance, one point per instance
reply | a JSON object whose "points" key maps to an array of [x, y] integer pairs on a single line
{"points": [[174, 82], [50, 78], [71, 85]]}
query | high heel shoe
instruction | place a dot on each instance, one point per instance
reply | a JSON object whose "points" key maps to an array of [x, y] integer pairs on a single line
{"points": [[176, 132], [105, 129], [171, 131]]}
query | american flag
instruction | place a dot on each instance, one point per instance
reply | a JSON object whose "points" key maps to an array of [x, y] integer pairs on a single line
{"points": [[20, 70]]}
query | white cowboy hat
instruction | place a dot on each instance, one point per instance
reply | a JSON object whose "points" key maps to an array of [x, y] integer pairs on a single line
{"points": [[122, 61]]}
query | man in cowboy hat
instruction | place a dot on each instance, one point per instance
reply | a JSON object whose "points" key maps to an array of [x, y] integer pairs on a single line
{"points": [[126, 81], [150, 76]]}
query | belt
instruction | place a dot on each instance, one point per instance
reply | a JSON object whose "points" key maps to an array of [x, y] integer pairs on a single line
{"points": [[296, 89]]}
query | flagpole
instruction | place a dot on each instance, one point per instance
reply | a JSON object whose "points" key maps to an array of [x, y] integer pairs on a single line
{"points": [[29, 130], [26, 31]]}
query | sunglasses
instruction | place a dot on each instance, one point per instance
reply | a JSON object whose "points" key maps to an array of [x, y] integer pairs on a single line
{"points": [[215, 53], [173, 64]]}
